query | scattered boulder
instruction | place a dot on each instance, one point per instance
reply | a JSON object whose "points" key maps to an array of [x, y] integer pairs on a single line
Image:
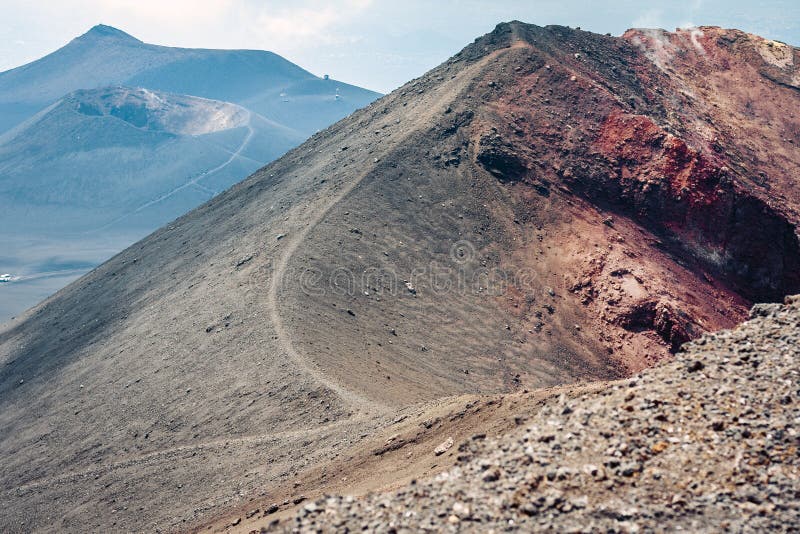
{"points": [[244, 260]]}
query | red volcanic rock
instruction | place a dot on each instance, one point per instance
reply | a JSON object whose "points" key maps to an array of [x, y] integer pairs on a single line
{"points": [[672, 136], [645, 153]]}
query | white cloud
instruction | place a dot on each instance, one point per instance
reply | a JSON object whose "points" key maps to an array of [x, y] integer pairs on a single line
{"points": [[305, 24], [179, 12], [652, 18]]}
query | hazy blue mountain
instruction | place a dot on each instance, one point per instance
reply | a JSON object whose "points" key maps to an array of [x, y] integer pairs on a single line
{"points": [[100, 157], [101, 168], [108, 138], [262, 81]]}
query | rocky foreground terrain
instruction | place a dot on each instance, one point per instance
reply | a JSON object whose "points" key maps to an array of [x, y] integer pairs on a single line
{"points": [[706, 442]]}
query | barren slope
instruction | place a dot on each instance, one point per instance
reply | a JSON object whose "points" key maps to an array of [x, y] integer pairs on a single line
{"points": [[705, 443], [536, 211]]}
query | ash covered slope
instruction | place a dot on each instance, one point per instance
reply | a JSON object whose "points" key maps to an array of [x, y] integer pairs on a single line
{"points": [[457, 236], [705, 442], [571, 188]]}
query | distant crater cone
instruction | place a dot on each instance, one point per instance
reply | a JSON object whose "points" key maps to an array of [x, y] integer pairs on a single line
{"points": [[158, 111]]}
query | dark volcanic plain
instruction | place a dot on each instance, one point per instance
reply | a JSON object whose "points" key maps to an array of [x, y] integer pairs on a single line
{"points": [[548, 207]]}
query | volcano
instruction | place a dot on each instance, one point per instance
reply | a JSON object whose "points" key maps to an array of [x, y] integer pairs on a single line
{"points": [[108, 138], [548, 207], [261, 81]]}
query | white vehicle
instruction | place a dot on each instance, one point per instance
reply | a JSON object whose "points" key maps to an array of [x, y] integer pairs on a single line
{"points": [[5, 278]]}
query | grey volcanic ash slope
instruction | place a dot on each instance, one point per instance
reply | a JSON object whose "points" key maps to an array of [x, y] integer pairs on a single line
{"points": [[707, 442], [455, 237]]}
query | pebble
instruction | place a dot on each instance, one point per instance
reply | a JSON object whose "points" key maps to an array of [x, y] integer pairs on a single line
{"points": [[443, 447]]}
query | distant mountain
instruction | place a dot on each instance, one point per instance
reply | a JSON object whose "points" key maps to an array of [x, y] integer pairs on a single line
{"points": [[262, 81], [132, 158], [108, 138]]}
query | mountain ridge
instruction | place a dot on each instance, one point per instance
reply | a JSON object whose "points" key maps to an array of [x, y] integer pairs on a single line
{"points": [[106, 56], [447, 240], [105, 31]]}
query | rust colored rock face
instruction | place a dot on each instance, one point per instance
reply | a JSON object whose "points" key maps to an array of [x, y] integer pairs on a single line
{"points": [[684, 143]]}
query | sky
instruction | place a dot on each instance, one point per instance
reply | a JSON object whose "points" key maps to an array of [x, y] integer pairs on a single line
{"points": [[377, 44]]}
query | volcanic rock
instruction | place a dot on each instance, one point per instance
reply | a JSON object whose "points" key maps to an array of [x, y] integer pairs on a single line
{"points": [[700, 468]]}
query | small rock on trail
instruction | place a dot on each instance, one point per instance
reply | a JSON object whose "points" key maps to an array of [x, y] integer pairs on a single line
{"points": [[443, 447]]}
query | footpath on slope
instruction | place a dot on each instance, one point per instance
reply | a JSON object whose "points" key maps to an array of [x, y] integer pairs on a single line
{"points": [[192, 182], [706, 442], [439, 100]]}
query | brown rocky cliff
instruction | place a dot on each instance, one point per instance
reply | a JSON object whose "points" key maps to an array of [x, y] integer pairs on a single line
{"points": [[675, 133]]}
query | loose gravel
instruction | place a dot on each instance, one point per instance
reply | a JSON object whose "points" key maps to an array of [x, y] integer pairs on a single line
{"points": [[706, 442]]}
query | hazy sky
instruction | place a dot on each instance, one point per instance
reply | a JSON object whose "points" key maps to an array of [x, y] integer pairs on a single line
{"points": [[378, 44]]}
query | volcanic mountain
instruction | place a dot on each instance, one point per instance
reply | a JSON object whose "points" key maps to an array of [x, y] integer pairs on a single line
{"points": [[261, 81], [549, 206], [99, 169], [108, 138], [132, 158]]}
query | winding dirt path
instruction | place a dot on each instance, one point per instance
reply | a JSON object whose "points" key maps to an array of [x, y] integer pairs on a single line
{"points": [[411, 124], [194, 182], [304, 363]]}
